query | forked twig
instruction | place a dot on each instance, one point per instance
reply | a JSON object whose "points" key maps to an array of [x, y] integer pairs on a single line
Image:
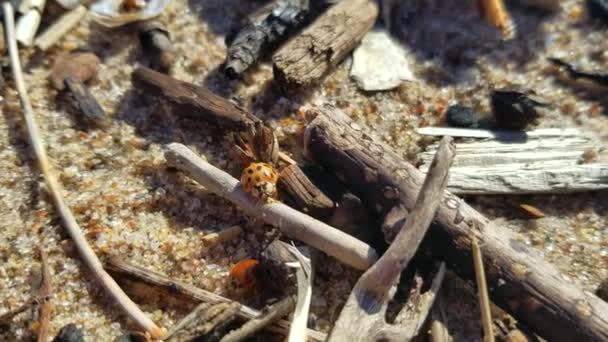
{"points": [[85, 251]]}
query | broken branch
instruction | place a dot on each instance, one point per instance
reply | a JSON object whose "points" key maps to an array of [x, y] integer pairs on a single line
{"points": [[194, 100], [520, 281], [295, 224], [371, 293], [86, 253]]}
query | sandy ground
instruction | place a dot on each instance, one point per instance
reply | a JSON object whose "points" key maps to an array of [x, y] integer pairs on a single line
{"points": [[129, 205]]}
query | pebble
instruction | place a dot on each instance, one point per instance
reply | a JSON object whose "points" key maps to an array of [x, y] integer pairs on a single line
{"points": [[461, 116], [379, 63], [598, 9], [69, 333], [514, 109], [82, 65]]}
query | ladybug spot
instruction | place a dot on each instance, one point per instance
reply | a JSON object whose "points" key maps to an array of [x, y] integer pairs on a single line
{"points": [[259, 167], [249, 179], [250, 171]]}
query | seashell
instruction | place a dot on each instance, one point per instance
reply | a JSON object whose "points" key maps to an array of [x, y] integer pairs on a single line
{"points": [[113, 13], [69, 4]]}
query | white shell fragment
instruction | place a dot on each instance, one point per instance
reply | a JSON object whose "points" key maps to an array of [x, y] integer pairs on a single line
{"points": [[111, 13], [379, 63], [69, 4]]}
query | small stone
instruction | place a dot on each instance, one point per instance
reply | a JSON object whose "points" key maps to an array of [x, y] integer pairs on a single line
{"points": [[461, 116], [602, 290], [82, 65], [598, 9], [379, 63], [514, 109], [69, 333]]}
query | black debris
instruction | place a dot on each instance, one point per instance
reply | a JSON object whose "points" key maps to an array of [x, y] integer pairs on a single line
{"points": [[515, 109], [69, 333], [461, 116]]}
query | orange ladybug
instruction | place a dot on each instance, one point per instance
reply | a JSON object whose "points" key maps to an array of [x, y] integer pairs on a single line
{"points": [[244, 273], [260, 180]]}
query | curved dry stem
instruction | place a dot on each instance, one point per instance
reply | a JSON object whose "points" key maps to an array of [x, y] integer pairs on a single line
{"points": [[86, 253]]}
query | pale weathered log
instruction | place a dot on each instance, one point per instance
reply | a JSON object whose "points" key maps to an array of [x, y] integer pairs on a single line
{"points": [[293, 223], [363, 315], [541, 161], [173, 286], [306, 58], [519, 280]]}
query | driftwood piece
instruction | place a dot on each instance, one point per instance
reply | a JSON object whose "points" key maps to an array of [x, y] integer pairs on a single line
{"points": [[60, 28], [85, 251], [85, 101], [263, 32], [46, 307], [295, 224], [363, 315], [541, 161], [269, 315], [306, 58], [191, 292], [307, 195], [519, 280], [192, 100]]}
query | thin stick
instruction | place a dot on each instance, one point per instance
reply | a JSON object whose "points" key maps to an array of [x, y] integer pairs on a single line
{"points": [[46, 307], [6, 317], [135, 272], [60, 28], [482, 288], [85, 251], [269, 315], [297, 225], [224, 235]]}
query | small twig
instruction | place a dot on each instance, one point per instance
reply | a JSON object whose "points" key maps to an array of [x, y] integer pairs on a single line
{"points": [[268, 316], [85, 251], [60, 28], [371, 293], [482, 287], [496, 14], [132, 271], [46, 307], [6, 317], [295, 224], [187, 320], [224, 235], [206, 320]]}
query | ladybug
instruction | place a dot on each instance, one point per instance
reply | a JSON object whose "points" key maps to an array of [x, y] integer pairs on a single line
{"points": [[245, 274], [260, 180]]}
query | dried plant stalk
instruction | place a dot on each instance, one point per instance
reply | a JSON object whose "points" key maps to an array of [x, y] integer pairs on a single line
{"points": [[482, 288], [87, 254], [46, 307]]}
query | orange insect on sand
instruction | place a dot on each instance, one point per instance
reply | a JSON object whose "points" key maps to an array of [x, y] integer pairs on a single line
{"points": [[244, 272]]}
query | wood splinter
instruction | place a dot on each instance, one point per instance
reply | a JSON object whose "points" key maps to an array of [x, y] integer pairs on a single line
{"points": [[224, 235], [70, 72], [364, 314], [46, 307]]}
